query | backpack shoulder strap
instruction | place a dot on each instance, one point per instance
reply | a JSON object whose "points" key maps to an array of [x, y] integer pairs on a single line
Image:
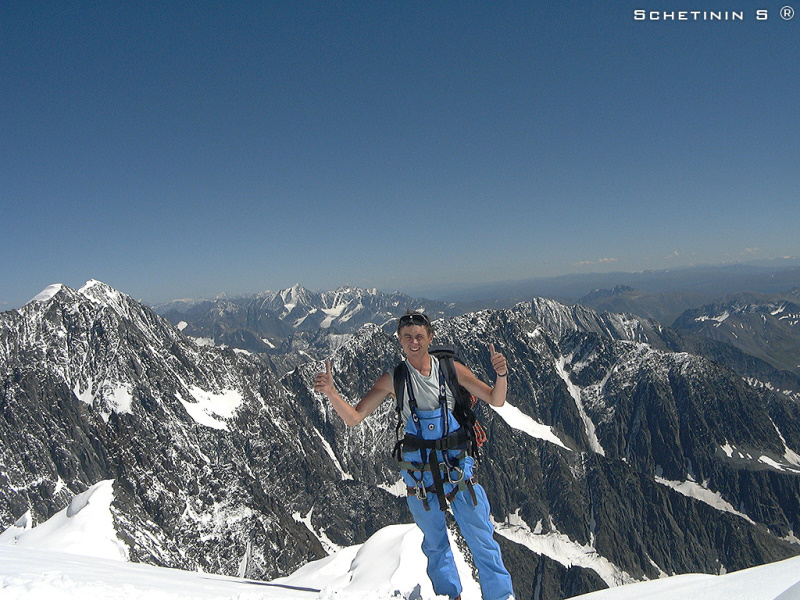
{"points": [[464, 401], [399, 378], [448, 365]]}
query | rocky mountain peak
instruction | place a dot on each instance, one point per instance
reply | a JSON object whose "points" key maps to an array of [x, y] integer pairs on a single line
{"points": [[295, 295]]}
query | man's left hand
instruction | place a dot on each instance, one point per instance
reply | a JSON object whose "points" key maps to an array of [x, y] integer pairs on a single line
{"points": [[498, 361]]}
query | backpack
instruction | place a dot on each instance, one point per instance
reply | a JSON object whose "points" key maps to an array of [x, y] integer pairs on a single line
{"points": [[463, 409]]}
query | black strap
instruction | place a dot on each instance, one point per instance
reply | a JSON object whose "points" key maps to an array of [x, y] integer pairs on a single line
{"points": [[412, 399], [443, 402], [471, 488], [438, 482], [448, 366], [458, 440], [399, 393]]}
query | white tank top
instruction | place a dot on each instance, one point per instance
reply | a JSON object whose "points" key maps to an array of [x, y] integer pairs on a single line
{"points": [[426, 390]]}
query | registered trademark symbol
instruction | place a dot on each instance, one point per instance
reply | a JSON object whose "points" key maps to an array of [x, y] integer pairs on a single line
{"points": [[787, 12]]}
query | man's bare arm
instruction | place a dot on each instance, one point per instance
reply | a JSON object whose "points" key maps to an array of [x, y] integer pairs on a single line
{"points": [[496, 396], [353, 415]]}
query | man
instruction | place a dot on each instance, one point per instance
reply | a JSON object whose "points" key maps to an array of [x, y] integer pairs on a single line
{"points": [[431, 466]]}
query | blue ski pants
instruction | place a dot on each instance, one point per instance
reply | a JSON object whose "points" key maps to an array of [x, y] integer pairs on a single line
{"points": [[473, 521], [477, 529]]}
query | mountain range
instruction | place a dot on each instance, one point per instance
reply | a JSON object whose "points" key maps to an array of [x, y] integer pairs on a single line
{"points": [[660, 457]]}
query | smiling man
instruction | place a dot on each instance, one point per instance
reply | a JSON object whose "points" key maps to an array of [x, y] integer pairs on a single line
{"points": [[434, 455]]}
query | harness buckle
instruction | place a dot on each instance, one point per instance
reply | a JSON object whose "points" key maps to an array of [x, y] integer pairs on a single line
{"points": [[420, 491], [450, 470]]}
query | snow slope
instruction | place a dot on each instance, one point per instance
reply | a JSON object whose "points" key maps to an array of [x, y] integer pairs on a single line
{"points": [[776, 581], [84, 527], [33, 574], [75, 555]]}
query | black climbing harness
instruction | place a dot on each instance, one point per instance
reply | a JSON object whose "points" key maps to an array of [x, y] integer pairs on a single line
{"points": [[430, 449]]}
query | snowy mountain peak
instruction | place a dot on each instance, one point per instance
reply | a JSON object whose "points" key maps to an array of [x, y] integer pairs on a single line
{"points": [[561, 320], [296, 290], [102, 293], [294, 295], [94, 290], [47, 293], [97, 290], [93, 283]]}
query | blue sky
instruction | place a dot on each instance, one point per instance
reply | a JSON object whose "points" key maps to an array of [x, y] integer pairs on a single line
{"points": [[183, 149]]}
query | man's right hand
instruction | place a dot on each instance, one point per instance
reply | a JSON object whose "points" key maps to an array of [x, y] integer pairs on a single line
{"points": [[323, 382]]}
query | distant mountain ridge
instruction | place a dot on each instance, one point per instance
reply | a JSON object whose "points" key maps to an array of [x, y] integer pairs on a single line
{"points": [[767, 327], [262, 322], [663, 307], [704, 281]]}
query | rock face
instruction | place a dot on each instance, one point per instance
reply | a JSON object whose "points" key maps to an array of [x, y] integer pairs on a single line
{"points": [[670, 462]]}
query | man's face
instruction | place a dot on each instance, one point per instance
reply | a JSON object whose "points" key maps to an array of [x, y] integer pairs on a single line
{"points": [[415, 340]]}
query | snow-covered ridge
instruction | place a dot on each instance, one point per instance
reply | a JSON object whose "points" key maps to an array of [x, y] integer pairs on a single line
{"points": [[27, 574], [560, 319], [76, 555], [85, 527], [387, 565]]}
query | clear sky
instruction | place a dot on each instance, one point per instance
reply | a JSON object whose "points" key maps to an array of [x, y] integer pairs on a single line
{"points": [[183, 149]]}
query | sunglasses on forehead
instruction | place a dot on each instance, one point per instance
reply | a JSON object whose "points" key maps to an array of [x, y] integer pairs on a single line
{"points": [[414, 319]]}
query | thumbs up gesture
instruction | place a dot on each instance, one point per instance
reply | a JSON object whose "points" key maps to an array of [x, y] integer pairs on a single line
{"points": [[323, 382], [498, 362]]}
